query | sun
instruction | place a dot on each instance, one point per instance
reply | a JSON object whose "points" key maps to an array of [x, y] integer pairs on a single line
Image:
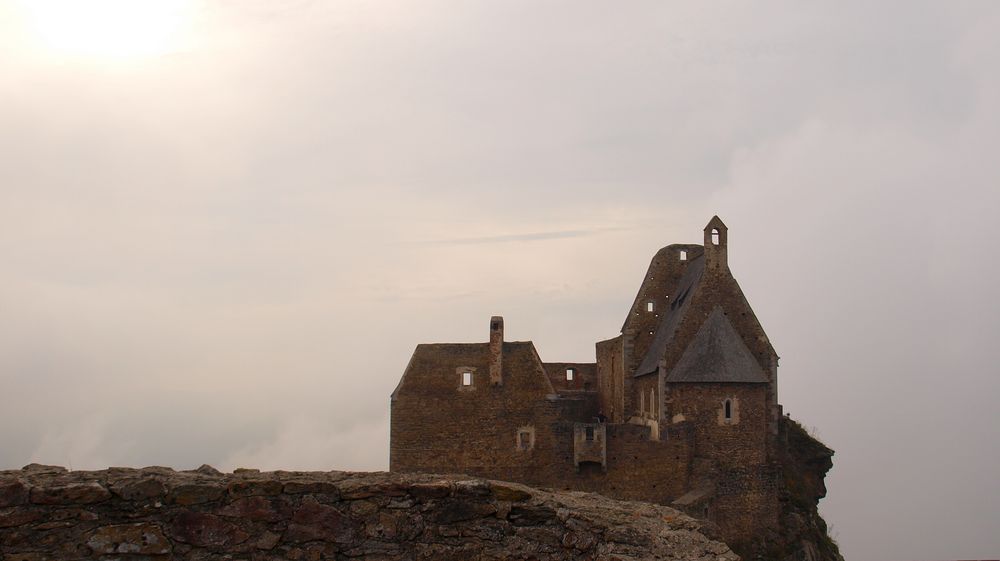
{"points": [[109, 29]]}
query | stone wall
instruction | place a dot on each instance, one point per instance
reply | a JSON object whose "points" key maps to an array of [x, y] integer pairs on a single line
{"points": [[611, 379], [659, 287], [439, 426], [47, 513], [720, 289], [739, 442]]}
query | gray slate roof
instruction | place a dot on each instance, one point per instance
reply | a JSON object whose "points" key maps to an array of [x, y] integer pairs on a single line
{"points": [[717, 354]]}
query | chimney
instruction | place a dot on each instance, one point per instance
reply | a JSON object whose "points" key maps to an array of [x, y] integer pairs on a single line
{"points": [[496, 350], [715, 245]]}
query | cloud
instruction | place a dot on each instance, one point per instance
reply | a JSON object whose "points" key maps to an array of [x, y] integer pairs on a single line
{"points": [[78, 445], [302, 443], [531, 237], [226, 256]]}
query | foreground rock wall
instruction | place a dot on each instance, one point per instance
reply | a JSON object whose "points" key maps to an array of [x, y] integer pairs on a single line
{"points": [[159, 514]]}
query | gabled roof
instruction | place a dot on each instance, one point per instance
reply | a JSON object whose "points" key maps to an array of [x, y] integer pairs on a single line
{"points": [[717, 354], [670, 320], [432, 367]]}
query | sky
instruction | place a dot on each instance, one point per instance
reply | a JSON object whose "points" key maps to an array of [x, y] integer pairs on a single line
{"points": [[225, 225]]}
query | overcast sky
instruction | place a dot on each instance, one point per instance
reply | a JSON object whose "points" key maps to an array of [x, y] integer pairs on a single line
{"points": [[222, 247]]}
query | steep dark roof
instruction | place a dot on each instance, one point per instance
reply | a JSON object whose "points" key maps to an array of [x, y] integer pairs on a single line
{"points": [[670, 320], [717, 354], [432, 367]]}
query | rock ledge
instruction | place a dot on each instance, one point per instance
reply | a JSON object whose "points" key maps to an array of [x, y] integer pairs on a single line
{"points": [[156, 513]]}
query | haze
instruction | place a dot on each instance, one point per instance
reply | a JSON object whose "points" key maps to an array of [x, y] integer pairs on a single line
{"points": [[223, 250]]}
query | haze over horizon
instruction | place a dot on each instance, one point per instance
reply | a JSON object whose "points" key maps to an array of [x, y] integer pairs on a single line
{"points": [[224, 226]]}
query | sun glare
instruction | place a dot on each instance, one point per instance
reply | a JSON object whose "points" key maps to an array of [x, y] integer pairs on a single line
{"points": [[109, 29]]}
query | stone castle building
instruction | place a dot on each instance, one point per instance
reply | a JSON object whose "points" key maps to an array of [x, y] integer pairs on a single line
{"points": [[688, 391]]}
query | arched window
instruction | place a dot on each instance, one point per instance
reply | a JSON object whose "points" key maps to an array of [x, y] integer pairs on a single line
{"points": [[652, 403], [728, 410], [715, 236], [642, 403]]}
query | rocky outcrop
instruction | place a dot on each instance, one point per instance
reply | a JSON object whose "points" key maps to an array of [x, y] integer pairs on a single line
{"points": [[160, 514], [802, 534]]}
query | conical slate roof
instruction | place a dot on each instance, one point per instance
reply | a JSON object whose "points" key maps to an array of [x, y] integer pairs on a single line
{"points": [[717, 354]]}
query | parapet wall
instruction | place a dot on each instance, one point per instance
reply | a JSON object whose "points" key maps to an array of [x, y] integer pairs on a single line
{"points": [[47, 513]]}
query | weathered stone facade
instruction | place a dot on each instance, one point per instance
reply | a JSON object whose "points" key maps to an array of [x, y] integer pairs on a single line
{"points": [[49, 514], [688, 390]]}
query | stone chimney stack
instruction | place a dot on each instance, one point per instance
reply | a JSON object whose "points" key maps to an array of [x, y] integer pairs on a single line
{"points": [[496, 350], [716, 236]]}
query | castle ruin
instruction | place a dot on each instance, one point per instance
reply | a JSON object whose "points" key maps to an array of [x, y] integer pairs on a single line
{"points": [[681, 408]]}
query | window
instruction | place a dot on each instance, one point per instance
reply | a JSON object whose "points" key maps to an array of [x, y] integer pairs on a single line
{"points": [[684, 255], [715, 236], [728, 410], [590, 434], [466, 378], [569, 374], [652, 403], [524, 440], [650, 306]]}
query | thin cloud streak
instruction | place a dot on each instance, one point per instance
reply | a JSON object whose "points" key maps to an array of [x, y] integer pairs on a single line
{"points": [[532, 237]]}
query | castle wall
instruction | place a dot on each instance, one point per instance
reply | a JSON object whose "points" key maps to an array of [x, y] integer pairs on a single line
{"points": [[659, 288], [719, 288], [610, 378], [584, 376], [647, 401], [639, 468], [745, 497], [746, 502], [740, 441], [439, 425]]}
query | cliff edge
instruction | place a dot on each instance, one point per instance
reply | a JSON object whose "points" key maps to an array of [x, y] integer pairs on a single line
{"points": [[155, 513], [802, 534]]}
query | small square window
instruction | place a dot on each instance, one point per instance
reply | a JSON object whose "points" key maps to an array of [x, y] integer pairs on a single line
{"points": [[466, 378], [524, 440], [569, 374]]}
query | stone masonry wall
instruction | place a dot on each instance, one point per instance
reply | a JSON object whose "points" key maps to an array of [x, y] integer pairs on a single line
{"points": [[739, 442], [440, 427], [47, 513], [610, 379]]}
